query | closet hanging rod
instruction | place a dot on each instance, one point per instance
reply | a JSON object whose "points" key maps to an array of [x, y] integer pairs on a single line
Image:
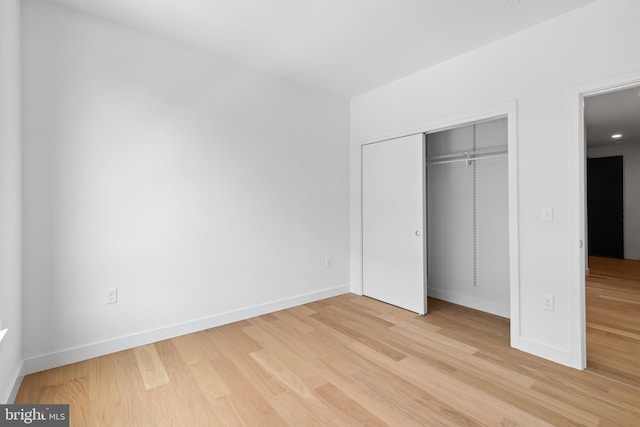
{"points": [[468, 158]]}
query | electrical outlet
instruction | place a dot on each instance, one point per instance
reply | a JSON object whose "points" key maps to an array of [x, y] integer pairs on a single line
{"points": [[547, 302], [328, 262], [111, 296]]}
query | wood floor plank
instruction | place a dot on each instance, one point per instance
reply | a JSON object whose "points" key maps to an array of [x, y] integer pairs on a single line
{"points": [[596, 409], [186, 397], [292, 321], [226, 412], [551, 409], [616, 330], [283, 374], [134, 401], [423, 408], [472, 401], [349, 408], [364, 338], [249, 403], [297, 412], [346, 361], [289, 352], [235, 351], [75, 393], [106, 413], [460, 359], [613, 319], [342, 374], [201, 366], [150, 366], [102, 383]]}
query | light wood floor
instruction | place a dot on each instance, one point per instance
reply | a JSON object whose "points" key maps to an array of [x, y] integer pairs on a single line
{"points": [[613, 319], [344, 361]]}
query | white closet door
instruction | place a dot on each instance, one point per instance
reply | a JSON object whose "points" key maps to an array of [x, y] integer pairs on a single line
{"points": [[393, 222]]}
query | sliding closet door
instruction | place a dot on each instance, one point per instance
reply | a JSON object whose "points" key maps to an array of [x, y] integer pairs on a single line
{"points": [[393, 222]]}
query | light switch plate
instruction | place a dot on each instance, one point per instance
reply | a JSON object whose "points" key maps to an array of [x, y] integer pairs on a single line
{"points": [[546, 214], [547, 302], [111, 296]]}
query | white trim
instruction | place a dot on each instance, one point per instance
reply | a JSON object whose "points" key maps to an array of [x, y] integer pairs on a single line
{"points": [[508, 109], [576, 208], [501, 310], [76, 354], [514, 224], [17, 382], [442, 124], [559, 355], [425, 253]]}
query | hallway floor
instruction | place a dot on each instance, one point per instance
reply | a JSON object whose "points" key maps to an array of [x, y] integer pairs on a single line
{"points": [[613, 319]]}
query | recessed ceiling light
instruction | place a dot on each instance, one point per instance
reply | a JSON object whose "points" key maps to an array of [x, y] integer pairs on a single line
{"points": [[616, 136]]}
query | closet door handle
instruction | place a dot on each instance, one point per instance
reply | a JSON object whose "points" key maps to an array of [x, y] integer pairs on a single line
{"points": [[418, 233]]}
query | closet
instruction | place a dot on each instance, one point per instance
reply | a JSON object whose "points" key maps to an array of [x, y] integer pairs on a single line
{"points": [[435, 218], [468, 216]]}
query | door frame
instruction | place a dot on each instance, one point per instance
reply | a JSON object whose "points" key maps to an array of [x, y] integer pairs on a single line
{"points": [[508, 110], [577, 206]]}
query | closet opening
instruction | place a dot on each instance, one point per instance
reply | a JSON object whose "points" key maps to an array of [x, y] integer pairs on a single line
{"points": [[440, 216], [467, 216]]}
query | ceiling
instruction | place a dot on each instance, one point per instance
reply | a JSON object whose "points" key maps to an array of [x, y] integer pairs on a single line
{"points": [[343, 46], [613, 112]]}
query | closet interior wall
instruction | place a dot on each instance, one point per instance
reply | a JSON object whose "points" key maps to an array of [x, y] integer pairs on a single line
{"points": [[467, 216]]}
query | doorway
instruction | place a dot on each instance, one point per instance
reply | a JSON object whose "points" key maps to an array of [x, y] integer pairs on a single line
{"points": [[467, 216], [507, 110], [612, 283], [605, 207], [463, 191]]}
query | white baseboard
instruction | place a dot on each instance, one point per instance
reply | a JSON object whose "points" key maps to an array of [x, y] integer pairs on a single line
{"points": [[633, 256], [562, 356], [16, 385], [16, 382], [96, 349], [471, 302]]}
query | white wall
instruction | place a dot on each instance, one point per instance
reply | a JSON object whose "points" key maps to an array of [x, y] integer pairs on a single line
{"points": [[631, 179], [536, 67], [204, 191], [10, 206]]}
